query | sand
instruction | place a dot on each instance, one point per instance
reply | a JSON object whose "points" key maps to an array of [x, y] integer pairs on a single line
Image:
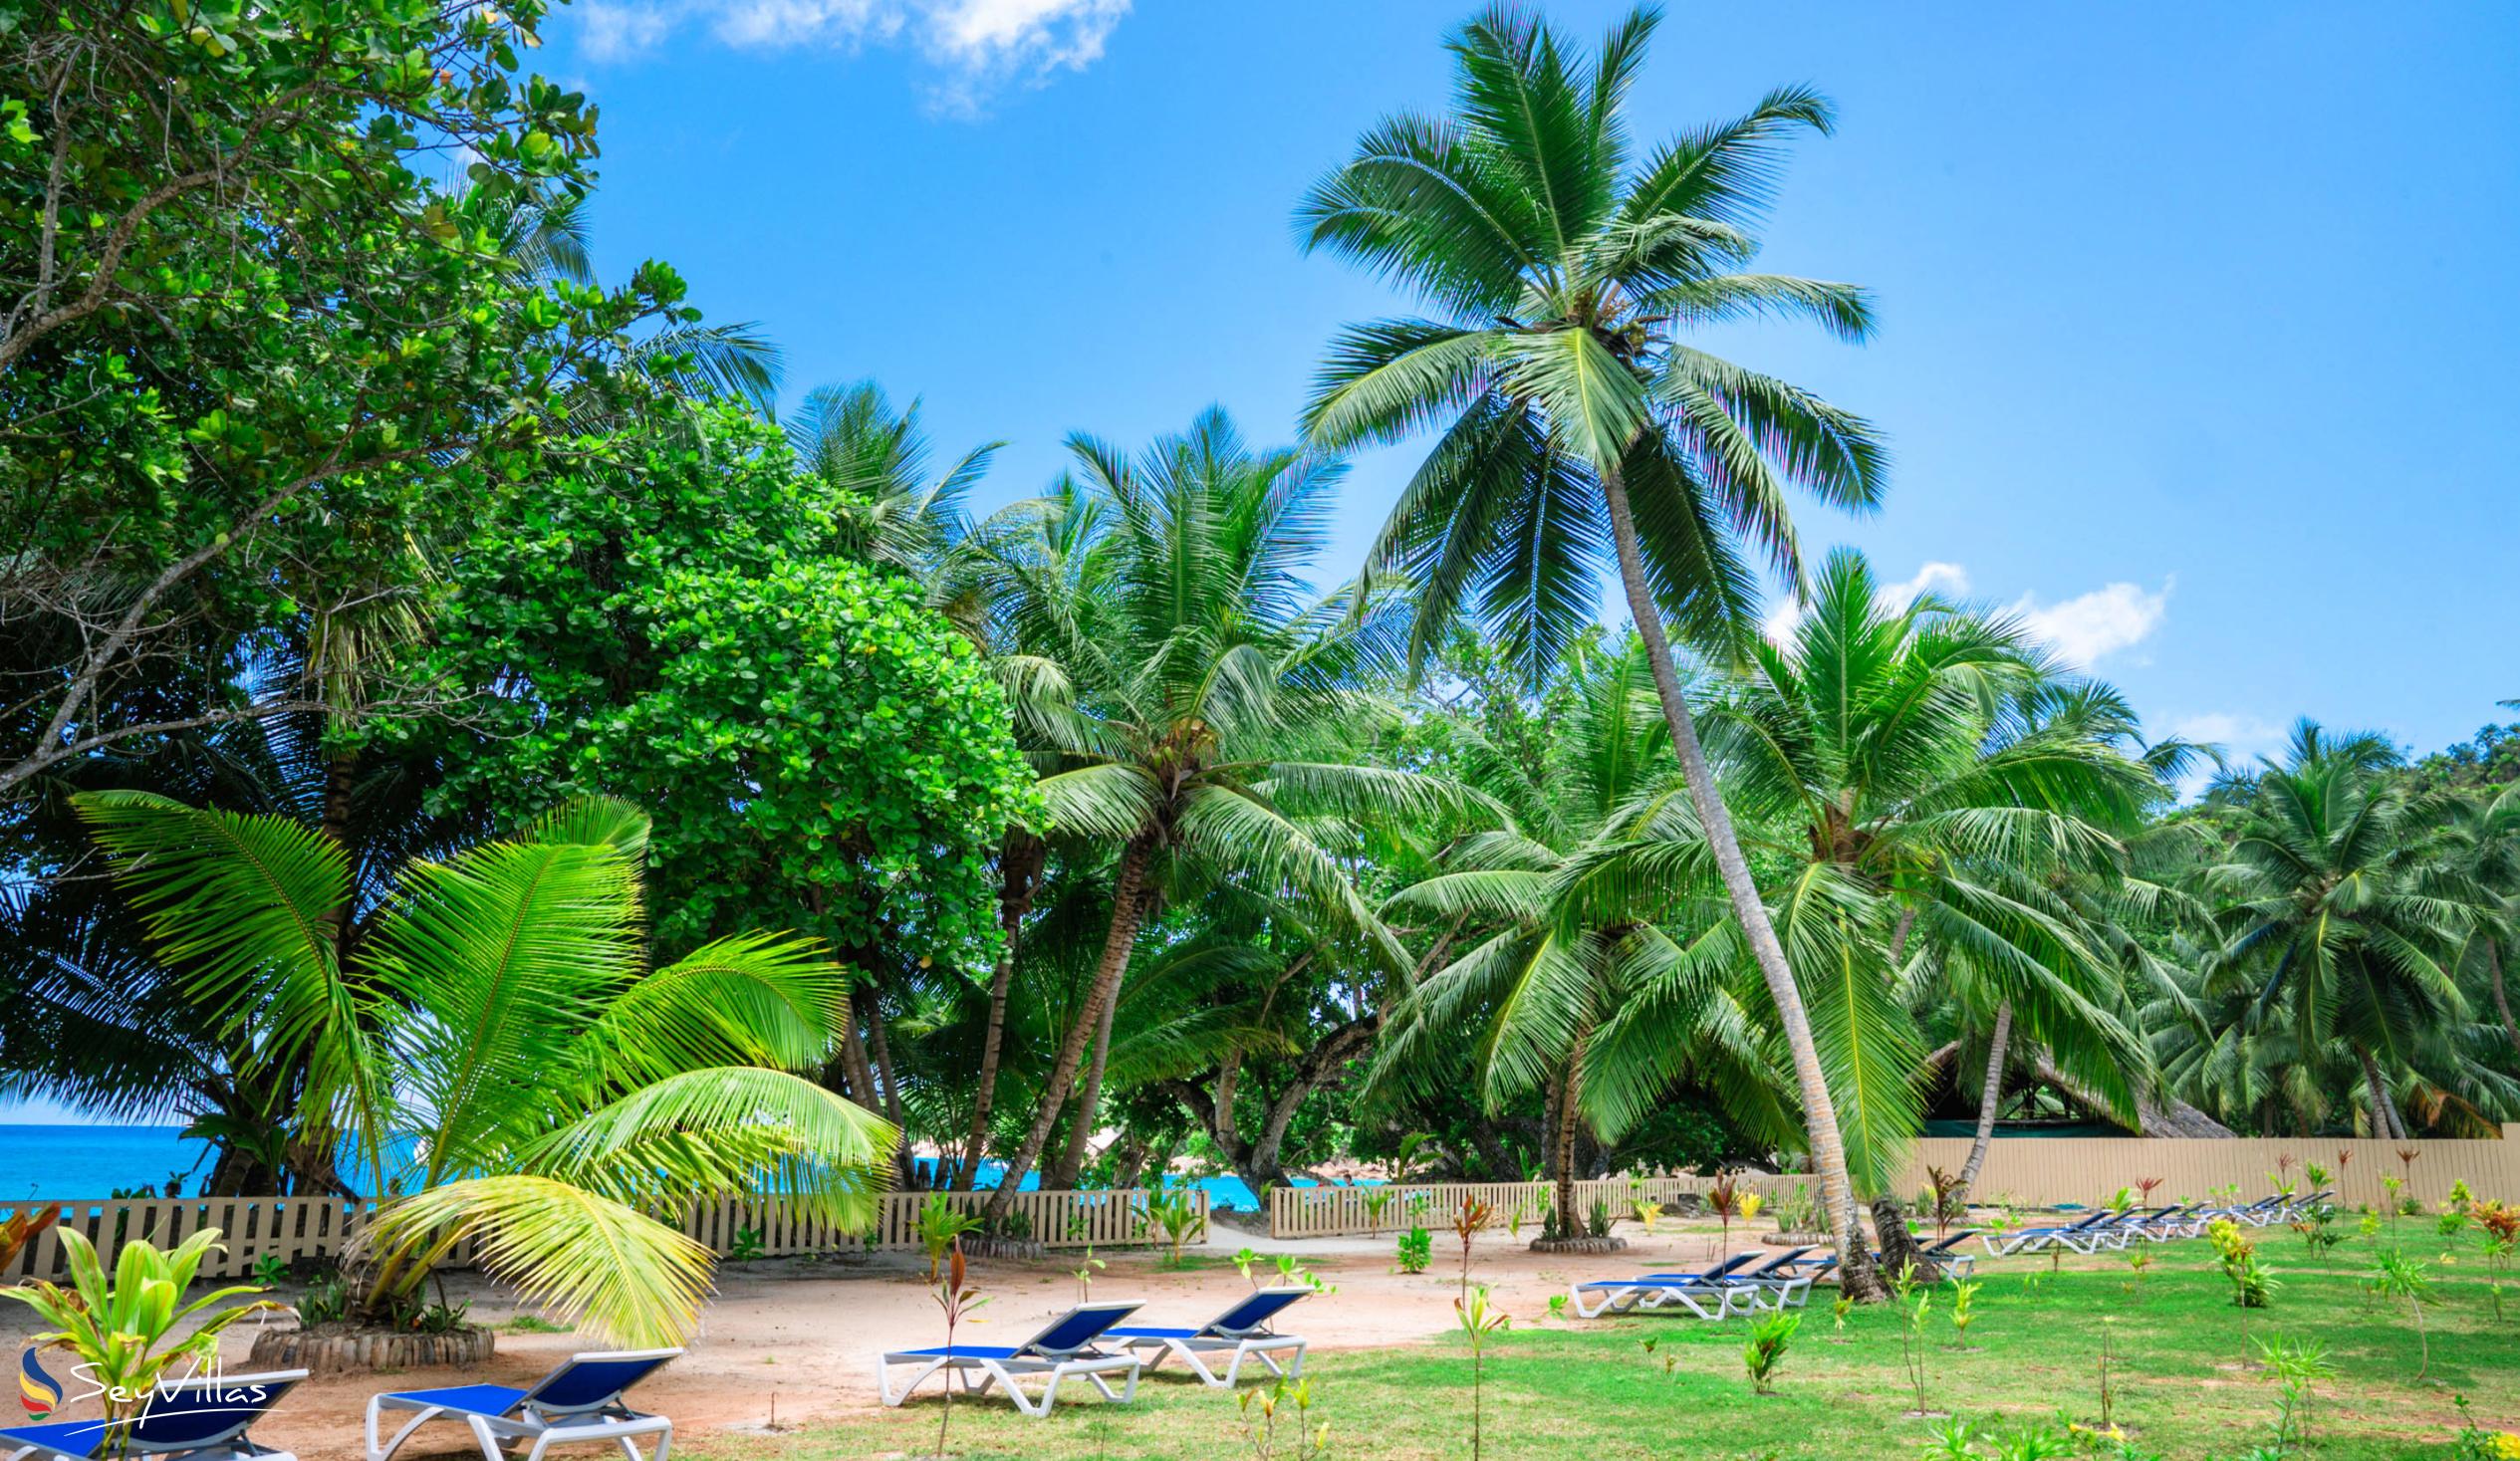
{"points": [[795, 1339]]}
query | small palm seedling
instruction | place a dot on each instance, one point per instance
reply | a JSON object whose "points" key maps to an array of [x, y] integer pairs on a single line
{"points": [[1647, 1213], [2282, 1176], [1519, 1215], [1375, 1200], [1955, 1441], [2295, 1365], [123, 1325], [1751, 1202], [2392, 1186], [2395, 1276], [1764, 1355], [1085, 1270], [956, 1296], [2139, 1263], [2317, 1174], [1245, 1258], [1557, 1305], [1417, 1250], [1480, 1320], [1262, 1411], [2108, 1372], [1177, 1216], [1964, 1293], [1945, 1199], [1469, 1221], [2253, 1286], [1291, 1272], [1837, 1312], [940, 1227]]}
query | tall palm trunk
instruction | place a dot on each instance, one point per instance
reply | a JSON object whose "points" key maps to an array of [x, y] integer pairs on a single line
{"points": [[1107, 976], [1989, 1099], [1063, 1173], [1019, 865], [1569, 1224], [1855, 1275], [2385, 1123]]}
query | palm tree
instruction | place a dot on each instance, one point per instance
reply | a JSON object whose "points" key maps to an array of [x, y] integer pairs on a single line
{"points": [[499, 1019], [1175, 675], [1541, 971], [1576, 421], [2476, 849], [1933, 758], [2321, 911], [901, 515]]}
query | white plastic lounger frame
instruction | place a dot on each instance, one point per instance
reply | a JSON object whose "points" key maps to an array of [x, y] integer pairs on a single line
{"points": [[1241, 1332], [578, 1402], [201, 1419], [1064, 1347], [1707, 1299]]}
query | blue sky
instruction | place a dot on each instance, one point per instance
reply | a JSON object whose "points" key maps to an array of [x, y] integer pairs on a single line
{"points": [[2196, 320]]}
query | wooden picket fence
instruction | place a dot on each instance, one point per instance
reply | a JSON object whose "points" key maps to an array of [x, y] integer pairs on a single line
{"points": [[292, 1228], [1327, 1212]]}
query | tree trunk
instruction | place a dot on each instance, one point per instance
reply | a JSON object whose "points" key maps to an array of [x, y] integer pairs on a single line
{"points": [[2502, 1002], [2170, 1116], [853, 1057], [341, 775], [904, 1160], [1989, 1099], [1562, 1170], [1063, 1173], [1899, 1249], [1107, 976], [1820, 1110], [2371, 1092], [1019, 867]]}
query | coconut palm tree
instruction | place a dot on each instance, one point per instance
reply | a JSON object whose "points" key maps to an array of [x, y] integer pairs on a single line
{"points": [[2321, 912], [1934, 758], [1540, 972], [1179, 683], [498, 1024], [901, 516], [1577, 424]]}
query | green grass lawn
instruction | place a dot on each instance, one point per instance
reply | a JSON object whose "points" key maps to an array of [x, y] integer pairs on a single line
{"points": [[1590, 1390]]}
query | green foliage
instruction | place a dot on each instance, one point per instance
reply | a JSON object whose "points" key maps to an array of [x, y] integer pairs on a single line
{"points": [[1177, 1216], [132, 1329], [1288, 1400], [1764, 1354], [1417, 1250], [941, 1225], [263, 361], [590, 1090], [2297, 1367], [684, 623], [745, 1247]]}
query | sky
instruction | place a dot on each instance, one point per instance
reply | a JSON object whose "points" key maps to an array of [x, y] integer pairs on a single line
{"points": [[2196, 328]]}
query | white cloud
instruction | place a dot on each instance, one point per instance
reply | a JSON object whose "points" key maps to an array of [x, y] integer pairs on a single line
{"points": [[2241, 739], [2087, 628], [1947, 579], [978, 46]]}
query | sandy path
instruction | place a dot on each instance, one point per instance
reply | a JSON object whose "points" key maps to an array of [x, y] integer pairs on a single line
{"points": [[798, 1338]]}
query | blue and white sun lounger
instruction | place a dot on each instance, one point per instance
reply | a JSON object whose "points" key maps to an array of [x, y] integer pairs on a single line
{"points": [[1775, 1282], [578, 1402], [1241, 1332], [1064, 1347], [201, 1419], [2088, 1235], [1694, 1291]]}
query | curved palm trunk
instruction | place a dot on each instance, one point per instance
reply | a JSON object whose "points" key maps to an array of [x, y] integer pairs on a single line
{"points": [[1990, 1099], [1063, 1173], [1569, 1223], [1107, 976], [1855, 1274], [2385, 1123], [1021, 868]]}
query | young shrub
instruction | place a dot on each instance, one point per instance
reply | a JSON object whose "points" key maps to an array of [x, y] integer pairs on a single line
{"points": [[1261, 1411], [1915, 1304], [1467, 1222], [1376, 1199], [1764, 1355], [1647, 1213], [123, 1325], [2499, 1226], [1962, 1293], [956, 1296], [1178, 1217], [1091, 1266], [1480, 1322], [1723, 1199], [2395, 1276], [746, 1247], [1601, 1219], [1557, 1305], [2253, 1286], [1416, 1251], [1837, 1312], [2295, 1365]]}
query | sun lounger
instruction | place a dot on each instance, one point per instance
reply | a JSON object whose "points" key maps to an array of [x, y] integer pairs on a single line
{"points": [[1955, 1264], [578, 1402], [1065, 1347], [2087, 1235], [1705, 1294], [201, 1419], [1241, 1332]]}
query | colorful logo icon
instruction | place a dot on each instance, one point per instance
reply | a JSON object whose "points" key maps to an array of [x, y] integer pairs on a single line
{"points": [[39, 1392]]}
